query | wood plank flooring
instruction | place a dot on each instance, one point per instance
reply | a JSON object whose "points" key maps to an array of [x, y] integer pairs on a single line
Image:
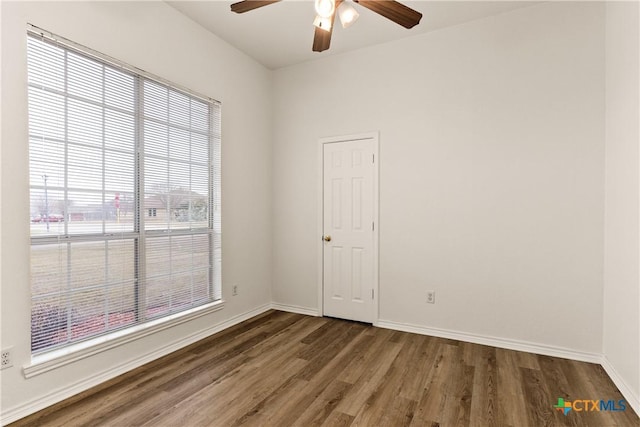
{"points": [[284, 369]]}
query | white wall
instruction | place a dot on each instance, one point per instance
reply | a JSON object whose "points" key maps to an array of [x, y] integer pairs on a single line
{"points": [[156, 38], [621, 342], [491, 173]]}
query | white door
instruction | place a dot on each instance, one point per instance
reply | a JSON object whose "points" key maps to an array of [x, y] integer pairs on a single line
{"points": [[348, 230]]}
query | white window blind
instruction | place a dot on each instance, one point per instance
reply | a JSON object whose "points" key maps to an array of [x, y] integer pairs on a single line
{"points": [[125, 196]]}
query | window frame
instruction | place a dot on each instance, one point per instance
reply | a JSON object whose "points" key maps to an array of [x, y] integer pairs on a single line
{"points": [[53, 356]]}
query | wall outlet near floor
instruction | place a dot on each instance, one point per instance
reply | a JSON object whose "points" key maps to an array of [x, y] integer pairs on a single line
{"points": [[431, 297], [234, 290], [6, 360]]}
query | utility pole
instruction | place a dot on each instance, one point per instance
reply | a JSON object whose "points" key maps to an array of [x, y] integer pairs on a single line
{"points": [[46, 202]]}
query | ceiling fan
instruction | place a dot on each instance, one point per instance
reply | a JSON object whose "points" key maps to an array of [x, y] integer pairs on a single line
{"points": [[326, 12]]}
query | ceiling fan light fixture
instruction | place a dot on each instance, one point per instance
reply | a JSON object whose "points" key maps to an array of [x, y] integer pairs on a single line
{"points": [[322, 23], [348, 14], [326, 13], [325, 8]]}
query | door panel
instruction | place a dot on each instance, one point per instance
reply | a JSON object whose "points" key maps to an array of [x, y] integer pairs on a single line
{"points": [[348, 215]]}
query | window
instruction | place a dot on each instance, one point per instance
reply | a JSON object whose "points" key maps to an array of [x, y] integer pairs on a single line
{"points": [[108, 144]]}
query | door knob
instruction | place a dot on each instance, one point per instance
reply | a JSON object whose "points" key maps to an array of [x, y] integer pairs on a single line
{"points": [[327, 238]]}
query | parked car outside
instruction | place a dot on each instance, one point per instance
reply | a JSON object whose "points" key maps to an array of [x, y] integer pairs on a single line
{"points": [[51, 218]]}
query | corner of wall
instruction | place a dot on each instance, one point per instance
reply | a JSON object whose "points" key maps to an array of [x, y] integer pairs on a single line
{"points": [[621, 289]]}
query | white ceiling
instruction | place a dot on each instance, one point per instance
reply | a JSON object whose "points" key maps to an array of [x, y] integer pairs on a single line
{"points": [[281, 34]]}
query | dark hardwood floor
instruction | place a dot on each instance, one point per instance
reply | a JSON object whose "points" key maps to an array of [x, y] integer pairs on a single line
{"points": [[284, 369]]}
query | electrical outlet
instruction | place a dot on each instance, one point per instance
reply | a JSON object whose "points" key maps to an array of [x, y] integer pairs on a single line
{"points": [[6, 359], [235, 290], [431, 297]]}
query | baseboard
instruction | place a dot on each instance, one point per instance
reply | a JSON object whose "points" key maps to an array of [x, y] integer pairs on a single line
{"points": [[632, 399], [517, 345], [35, 405], [296, 309]]}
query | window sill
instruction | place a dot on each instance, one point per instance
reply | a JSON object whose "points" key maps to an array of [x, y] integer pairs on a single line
{"points": [[57, 358]]}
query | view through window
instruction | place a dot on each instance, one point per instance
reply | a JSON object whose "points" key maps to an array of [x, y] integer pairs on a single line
{"points": [[125, 196]]}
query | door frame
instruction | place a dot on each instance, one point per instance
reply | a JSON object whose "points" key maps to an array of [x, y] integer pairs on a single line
{"points": [[374, 136]]}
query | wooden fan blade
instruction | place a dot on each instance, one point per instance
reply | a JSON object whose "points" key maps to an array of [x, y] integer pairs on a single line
{"points": [[322, 38], [390, 9], [247, 5]]}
